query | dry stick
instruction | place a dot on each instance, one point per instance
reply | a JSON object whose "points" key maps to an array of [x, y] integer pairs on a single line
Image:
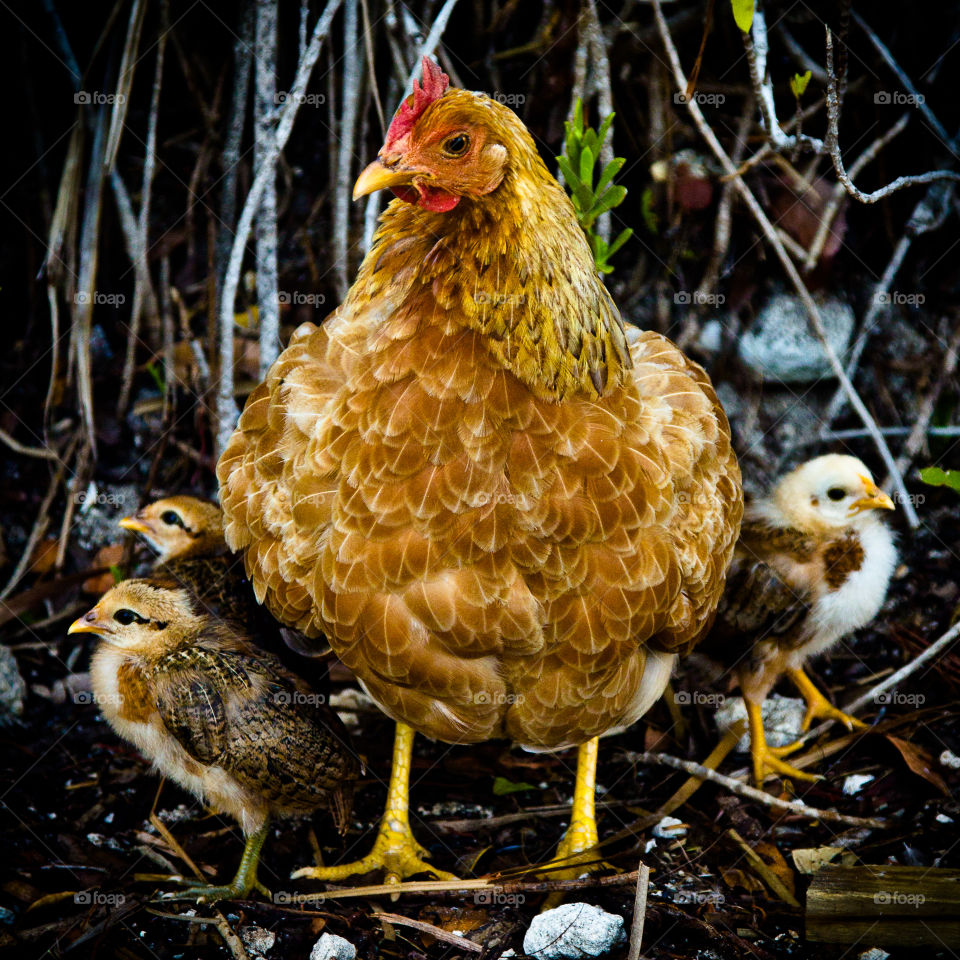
{"points": [[143, 292], [886, 431], [832, 143], [226, 407], [437, 932], [639, 912], [264, 136], [919, 433], [751, 793], [839, 192], [593, 34], [788, 265], [125, 74], [17, 447], [775, 883], [347, 149], [371, 65]]}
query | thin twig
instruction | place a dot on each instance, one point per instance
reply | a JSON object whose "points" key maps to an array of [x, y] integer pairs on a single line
{"points": [[886, 431], [796, 280], [17, 447], [751, 793], [639, 912], [436, 932], [352, 64]]}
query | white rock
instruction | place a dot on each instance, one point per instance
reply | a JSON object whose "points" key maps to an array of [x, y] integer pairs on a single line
{"points": [[572, 931], [856, 782], [670, 828], [332, 947], [258, 940], [507, 954], [782, 718], [780, 344], [949, 759], [943, 818], [874, 953]]}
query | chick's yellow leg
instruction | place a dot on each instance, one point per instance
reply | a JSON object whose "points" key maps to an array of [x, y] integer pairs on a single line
{"points": [[818, 705], [395, 851], [242, 885], [767, 759]]}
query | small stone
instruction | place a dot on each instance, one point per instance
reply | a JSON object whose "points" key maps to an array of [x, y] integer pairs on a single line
{"points": [[669, 828], [874, 953], [572, 931], [332, 947], [780, 345], [949, 759], [856, 782], [943, 818], [12, 687], [782, 719], [258, 940]]}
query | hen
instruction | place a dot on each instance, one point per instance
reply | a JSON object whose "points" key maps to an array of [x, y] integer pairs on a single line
{"points": [[507, 517], [812, 565]]}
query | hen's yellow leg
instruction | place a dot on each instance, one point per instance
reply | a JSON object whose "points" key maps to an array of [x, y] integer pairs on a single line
{"points": [[818, 705], [582, 834], [767, 758], [395, 851]]}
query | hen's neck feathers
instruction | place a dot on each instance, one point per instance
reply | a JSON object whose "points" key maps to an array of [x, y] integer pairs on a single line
{"points": [[513, 265]]}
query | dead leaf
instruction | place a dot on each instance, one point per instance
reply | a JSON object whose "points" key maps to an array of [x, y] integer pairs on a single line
{"points": [[735, 877], [44, 556], [809, 860], [108, 556], [920, 762]]}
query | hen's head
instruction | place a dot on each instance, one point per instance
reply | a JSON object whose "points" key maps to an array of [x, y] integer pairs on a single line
{"points": [[446, 144]]}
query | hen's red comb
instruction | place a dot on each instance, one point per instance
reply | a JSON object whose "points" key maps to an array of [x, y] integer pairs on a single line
{"points": [[435, 83]]}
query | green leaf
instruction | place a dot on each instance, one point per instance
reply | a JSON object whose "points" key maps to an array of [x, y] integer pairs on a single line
{"points": [[798, 83], [582, 198], [935, 477], [578, 116], [154, 370], [620, 240], [502, 787], [612, 198], [743, 13], [649, 215], [609, 172], [117, 572], [586, 167], [573, 181], [605, 128]]}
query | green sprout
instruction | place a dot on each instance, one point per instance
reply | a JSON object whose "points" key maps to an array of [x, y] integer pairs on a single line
{"points": [[581, 154], [935, 477]]}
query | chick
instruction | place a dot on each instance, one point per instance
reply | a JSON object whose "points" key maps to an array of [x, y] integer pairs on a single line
{"points": [[224, 719], [812, 565]]}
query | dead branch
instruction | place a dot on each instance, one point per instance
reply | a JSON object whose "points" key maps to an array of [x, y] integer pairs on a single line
{"points": [[437, 933], [796, 280], [352, 67], [751, 793], [639, 912], [43, 453]]}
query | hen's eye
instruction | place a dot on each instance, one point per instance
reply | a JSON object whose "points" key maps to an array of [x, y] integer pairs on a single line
{"points": [[125, 616], [171, 519], [836, 493], [456, 146]]}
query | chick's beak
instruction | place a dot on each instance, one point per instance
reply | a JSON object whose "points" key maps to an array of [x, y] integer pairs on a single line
{"points": [[874, 498], [377, 176], [90, 622], [135, 524]]}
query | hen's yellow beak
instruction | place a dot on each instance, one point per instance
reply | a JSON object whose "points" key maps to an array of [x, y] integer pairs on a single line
{"points": [[378, 177], [874, 498], [90, 622]]}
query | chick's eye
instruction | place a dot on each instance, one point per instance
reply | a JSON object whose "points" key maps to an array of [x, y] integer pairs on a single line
{"points": [[836, 493], [125, 616], [171, 519], [456, 146]]}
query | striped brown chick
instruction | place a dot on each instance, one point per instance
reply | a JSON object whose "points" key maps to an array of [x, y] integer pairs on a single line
{"points": [[812, 565], [222, 718]]}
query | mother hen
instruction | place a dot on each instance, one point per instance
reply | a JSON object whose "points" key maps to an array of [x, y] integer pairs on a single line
{"points": [[506, 515]]}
